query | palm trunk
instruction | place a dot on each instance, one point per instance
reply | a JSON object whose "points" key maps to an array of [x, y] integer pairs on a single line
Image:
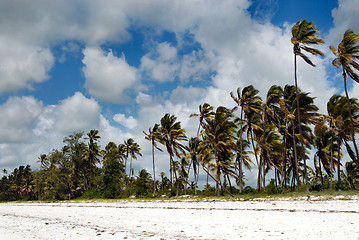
{"points": [[241, 156], [284, 169], [299, 124], [320, 172], [331, 162], [208, 174], [351, 119], [295, 168], [339, 180], [153, 164], [258, 164]]}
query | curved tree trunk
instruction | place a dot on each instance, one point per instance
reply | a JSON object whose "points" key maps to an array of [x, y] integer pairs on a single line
{"points": [[153, 164], [299, 124], [351, 119]]}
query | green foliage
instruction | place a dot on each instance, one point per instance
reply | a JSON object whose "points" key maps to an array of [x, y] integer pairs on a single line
{"points": [[272, 188], [143, 184]]}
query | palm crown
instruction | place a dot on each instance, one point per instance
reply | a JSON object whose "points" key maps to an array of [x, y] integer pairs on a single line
{"points": [[347, 52], [304, 34]]}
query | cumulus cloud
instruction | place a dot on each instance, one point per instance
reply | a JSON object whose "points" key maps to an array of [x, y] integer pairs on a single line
{"points": [[77, 113], [129, 123], [17, 116], [107, 76], [22, 64], [92, 22], [344, 17], [161, 64]]}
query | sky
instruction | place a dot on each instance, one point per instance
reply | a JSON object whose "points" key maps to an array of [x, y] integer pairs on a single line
{"points": [[118, 66]]}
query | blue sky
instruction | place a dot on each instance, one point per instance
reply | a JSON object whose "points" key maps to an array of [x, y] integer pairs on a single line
{"points": [[119, 66]]}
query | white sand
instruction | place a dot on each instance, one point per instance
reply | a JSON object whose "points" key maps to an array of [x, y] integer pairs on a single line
{"points": [[284, 219]]}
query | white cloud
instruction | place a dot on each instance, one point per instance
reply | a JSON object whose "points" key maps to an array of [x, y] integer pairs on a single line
{"points": [[17, 116], [129, 123], [107, 76], [22, 64], [344, 17], [77, 113], [92, 22], [162, 63]]}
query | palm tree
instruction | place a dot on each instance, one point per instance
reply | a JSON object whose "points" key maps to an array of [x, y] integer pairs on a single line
{"points": [[219, 138], [131, 149], [323, 143], [162, 174], [134, 151], [346, 53], [251, 105], [304, 34], [351, 174], [205, 111], [171, 136], [43, 161], [93, 136], [153, 136], [341, 124], [192, 154], [269, 146]]}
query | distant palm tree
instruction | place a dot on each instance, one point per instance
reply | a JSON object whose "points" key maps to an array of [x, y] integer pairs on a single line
{"points": [[135, 150], [346, 54], [153, 136], [43, 161], [304, 34]]}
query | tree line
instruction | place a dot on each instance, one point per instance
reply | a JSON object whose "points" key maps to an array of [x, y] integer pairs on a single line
{"points": [[275, 134]]}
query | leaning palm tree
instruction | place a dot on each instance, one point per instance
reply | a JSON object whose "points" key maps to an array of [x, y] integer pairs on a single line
{"points": [[346, 53], [251, 105], [171, 135], [303, 35], [153, 136], [324, 145], [219, 139]]}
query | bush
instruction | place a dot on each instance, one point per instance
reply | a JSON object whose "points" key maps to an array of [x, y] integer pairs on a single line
{"points": [[249, 190], [272, 188]]}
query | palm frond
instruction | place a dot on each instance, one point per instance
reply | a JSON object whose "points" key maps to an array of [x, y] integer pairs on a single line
{"points": [[305, 58], [312, 51]]}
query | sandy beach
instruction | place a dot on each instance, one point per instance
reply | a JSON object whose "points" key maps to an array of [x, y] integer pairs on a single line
{"points": [[208, 219]]}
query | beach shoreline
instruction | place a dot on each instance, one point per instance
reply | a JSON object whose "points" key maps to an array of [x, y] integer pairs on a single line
{"points": [[181, 219]]}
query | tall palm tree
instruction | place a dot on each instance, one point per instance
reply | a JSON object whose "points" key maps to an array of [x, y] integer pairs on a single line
{"points": [[269, 146], [192, 154], [323, 143], [153, 136], [205, 111], [219, 138], [172, 134], [346, 54], [341, 124], [303, 35], [251, 105]]}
